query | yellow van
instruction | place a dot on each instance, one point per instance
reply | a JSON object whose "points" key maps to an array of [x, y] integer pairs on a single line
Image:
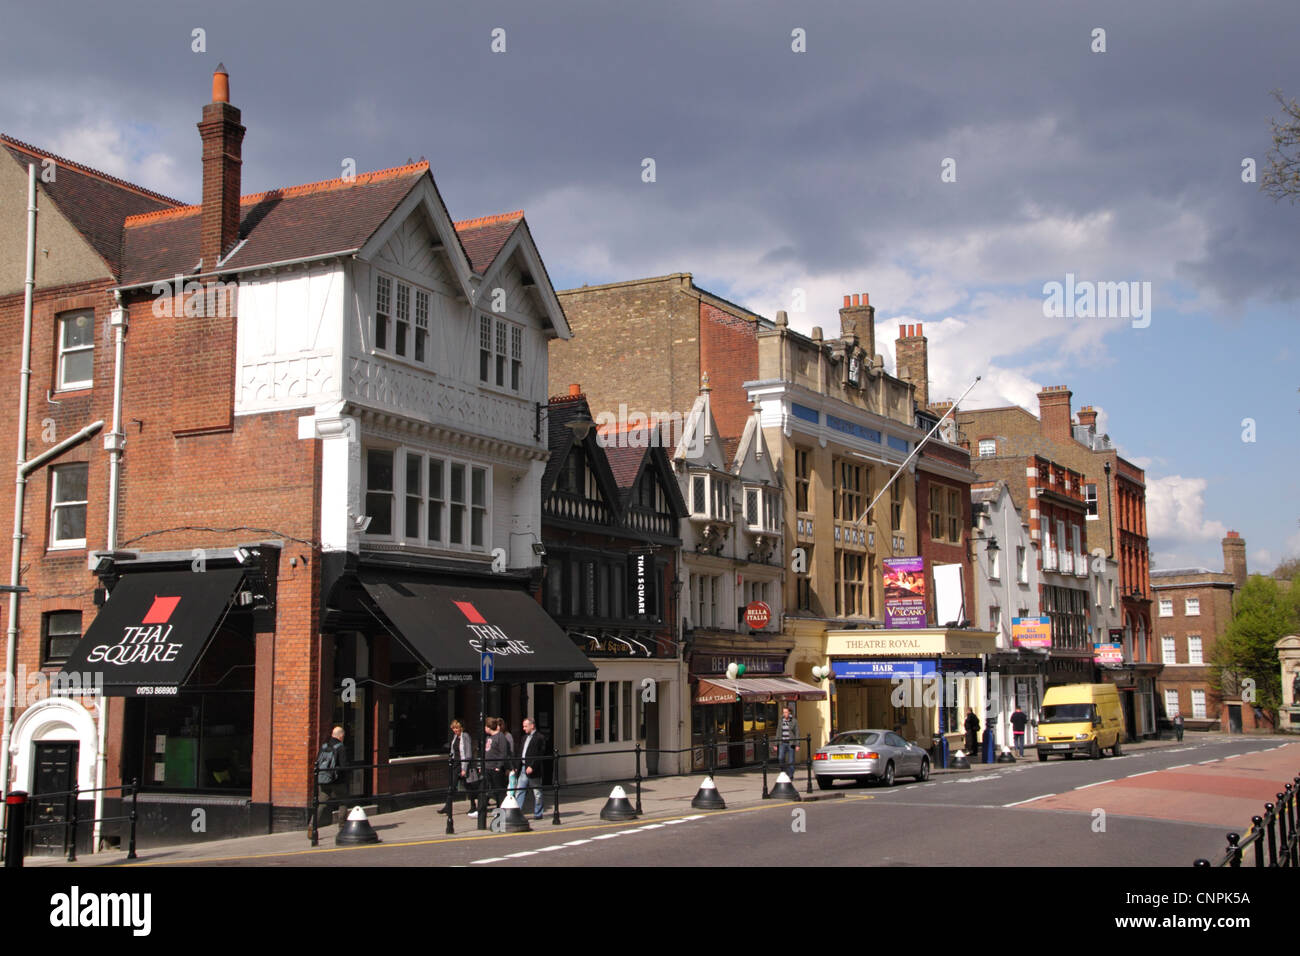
{"points": [[1080, 719]]}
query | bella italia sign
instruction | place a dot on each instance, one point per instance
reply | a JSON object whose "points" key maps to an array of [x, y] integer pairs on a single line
{"points": [[912, 643]]}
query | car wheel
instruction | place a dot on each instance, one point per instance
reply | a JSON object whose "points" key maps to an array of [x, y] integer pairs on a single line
{"points": [[1096, 749], [1042, 757], [924, 775], [824, 783], [1116, 751], [888, 779]]}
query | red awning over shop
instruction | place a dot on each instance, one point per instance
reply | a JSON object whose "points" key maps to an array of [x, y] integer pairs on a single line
{"points": [[724, 690]]}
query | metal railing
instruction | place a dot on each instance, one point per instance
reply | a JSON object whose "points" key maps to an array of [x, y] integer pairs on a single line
{"points": [[1273, 835], [13, 836], [481, 791]]}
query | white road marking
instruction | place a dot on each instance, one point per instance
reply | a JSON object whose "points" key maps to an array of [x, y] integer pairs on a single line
{"points": [[576, 842], [669, 823], [1030, 800], [548, 849], [511, 856], [1204, 762], [652, 826], [1178, 766], [1142, 774], [607, 836], [987, 776], [1097, 784], [492, 859]]}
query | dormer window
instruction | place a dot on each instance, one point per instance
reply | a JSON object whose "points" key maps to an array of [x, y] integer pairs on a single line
{"points": [[762, 509], [710, 497]]}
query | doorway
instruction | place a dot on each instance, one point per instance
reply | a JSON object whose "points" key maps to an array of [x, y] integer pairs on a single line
{"points": [[1234, 718], [54, 773]]}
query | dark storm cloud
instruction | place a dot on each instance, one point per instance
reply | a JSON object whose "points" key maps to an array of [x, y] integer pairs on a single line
{"points": [[830, 157]]}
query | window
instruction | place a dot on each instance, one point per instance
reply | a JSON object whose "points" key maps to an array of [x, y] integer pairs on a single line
{"points": [[1022, 566], [849, 568], [896, 505], [68, 506], [936, 512], [77, 349], [1195, 654], [945, 514], [954, 515], [379, 491], [1168, 651], [1171, 702], [994, 564], [1080, 562], [421, 325], [628, 729], [802, 479], [1166, 607], [579, 724], [1064, 561], [403, 328], [61, 633], [383, 310], [1090, 499], [707, 590], [988, 447], [500, 353], [803, 582], [438, 503], [1198, 704], [1192, 607], [598, 716], [995, 618], [847, 502], [710, 497], [1049, 553], [613, 711]]}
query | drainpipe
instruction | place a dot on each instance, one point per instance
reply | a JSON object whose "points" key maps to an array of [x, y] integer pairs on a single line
{"points": [[20, 482], [114, 442]]}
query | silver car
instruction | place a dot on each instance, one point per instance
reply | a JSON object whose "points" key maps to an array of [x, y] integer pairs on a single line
{"points": [[864, 755]]}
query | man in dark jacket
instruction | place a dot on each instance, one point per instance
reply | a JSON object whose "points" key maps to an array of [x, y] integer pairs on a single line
{"points": [[788, 737], [496, 759], [972, 733], [1018, 721], [532, 764], [331, 776]]}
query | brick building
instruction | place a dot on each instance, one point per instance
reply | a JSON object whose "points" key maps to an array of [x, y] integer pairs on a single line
{"points": [[302, 465], [1114, 495], [1193, 608], [649, 342]]}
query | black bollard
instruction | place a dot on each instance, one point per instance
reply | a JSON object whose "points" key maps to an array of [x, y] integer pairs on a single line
{"points": [[15, 827]]}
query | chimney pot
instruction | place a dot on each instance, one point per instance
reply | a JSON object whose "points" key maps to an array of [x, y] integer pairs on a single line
{"points": [[919, 333], [220, 84], [575, 390], [866, 298], [855, 300], [847, 300]]}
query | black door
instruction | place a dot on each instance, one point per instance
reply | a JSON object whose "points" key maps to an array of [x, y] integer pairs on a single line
{"points": [[544, 717], [1234, 718], [56, 772]]}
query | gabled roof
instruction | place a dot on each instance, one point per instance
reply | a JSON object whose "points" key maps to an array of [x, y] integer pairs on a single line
{"points": [[627, 461], [281, 225], [95, 203], [484, 237], [561, 439]]}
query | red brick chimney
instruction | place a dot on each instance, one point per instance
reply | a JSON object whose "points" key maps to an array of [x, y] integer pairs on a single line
{"points": [[912, 361], [858, 318], [223, 139], [1234, 558], [1054, 413], [1088, 416], [203, 341]]}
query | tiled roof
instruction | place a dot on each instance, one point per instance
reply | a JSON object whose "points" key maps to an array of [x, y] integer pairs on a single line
{"points": [[95, 203], [483, 238], [298, 222], [625, 462]]}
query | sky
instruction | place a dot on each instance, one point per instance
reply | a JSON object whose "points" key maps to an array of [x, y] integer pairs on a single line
{"points": [[951, 159]]}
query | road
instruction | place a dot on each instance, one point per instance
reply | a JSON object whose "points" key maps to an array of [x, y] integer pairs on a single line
{"points": [[1162, 807]]}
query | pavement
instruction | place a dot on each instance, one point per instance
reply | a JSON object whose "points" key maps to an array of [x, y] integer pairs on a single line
{"points": [[580, 807]]}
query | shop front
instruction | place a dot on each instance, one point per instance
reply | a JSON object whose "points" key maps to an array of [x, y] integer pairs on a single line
{"points": [[735, 709], [917, 683]]}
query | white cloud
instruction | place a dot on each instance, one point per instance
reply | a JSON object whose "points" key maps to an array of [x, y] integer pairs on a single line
{"points": [[1176, 512]]}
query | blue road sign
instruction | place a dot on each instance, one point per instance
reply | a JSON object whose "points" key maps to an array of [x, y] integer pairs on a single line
{"points": [[485, 667]]}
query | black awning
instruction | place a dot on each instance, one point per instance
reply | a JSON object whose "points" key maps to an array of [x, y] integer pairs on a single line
{"points": [[445, 627], [146, 640]]}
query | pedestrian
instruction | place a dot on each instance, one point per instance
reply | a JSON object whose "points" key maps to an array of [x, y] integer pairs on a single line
{"points": [[1018, 721], [461, 760], [512, 764], [1178, 724], [789, 737], [532, 764], [331, 776], [972, 733], [496, 760]]}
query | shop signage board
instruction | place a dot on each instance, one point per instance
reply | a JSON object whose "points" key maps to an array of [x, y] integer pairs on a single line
{"points": [[865, 670], [904, 592], [1031, 632], [758, 615], [755, 664], [883, 643], [1108, 653]]}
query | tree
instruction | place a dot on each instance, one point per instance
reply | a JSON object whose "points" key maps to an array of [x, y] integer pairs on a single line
{"points": [[1263, 613], [1281, 178], [1287, 570]]}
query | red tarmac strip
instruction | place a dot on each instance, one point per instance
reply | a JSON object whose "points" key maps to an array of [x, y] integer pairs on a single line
{"points": [[1226, 793]]}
